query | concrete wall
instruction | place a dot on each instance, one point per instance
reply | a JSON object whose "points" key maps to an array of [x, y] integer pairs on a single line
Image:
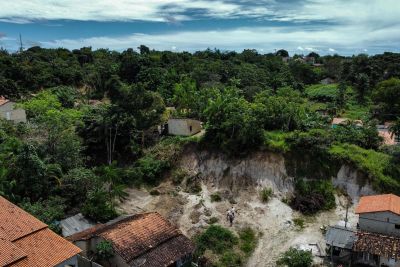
{"points": [[70, 262], [380, 222], [8, 112], [184, 127]]}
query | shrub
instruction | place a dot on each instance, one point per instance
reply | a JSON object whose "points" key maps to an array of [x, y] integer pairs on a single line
{"points": [[321, 92], [216, 197], [178, 175], [98, 206], [299, 222], [104, 250], [230, 259], [217, 239], [248, 240], [375, 164], [313, 196], [213, 220], [295, 258], [266, 194]]}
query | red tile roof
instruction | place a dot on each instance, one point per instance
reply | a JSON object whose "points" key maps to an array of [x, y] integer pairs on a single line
{"points": [[376, 244], [27, 242], [378, 203], [142, 236], [3, 100]]}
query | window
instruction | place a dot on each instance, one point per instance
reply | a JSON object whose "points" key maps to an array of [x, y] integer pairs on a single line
{"points": [[8, 115], [397, 226]]}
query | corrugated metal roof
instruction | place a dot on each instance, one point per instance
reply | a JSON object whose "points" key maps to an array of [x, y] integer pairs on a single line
{"points": [[75, 224], [340, 237]]}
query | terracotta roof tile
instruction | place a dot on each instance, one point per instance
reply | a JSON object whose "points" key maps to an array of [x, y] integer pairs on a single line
{"points": [[376, 244], [46, 249], [3, 100], [10, 253], [377, 203], [166, 253], [15, 222], [143, 236], [27, 242], [139, 233]]}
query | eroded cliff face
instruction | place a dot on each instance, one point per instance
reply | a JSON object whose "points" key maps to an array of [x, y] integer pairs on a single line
{"points": [[261, 169]]}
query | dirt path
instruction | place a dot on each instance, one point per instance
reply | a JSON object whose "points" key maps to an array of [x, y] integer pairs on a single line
{"points": [[273, 220]]}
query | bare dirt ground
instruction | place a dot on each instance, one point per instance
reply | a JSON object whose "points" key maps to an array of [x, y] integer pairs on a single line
{"points": [[273, 220]]}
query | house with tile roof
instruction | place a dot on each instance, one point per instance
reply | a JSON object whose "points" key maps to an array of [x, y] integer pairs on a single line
{"points": [[378, 237], [9, 112], [27, 242], [146, 240]]}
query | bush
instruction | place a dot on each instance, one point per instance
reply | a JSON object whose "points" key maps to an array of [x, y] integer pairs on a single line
{"points": [[299, 222], [248, 240], [216, 197], [295, 258], [48, 211], [178, 176], [321, 92], [212, 220], [217, 239], [373, 163], [98, 206], [104, 250], [313, 196], [266, 194]]}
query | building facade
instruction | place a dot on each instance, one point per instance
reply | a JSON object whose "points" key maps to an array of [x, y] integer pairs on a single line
{"points": [[183, 127], [9, 112]]}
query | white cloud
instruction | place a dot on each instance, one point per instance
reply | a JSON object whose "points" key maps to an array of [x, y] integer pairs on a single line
{"points": [[331, 50], [24, 11], [267, 38]]}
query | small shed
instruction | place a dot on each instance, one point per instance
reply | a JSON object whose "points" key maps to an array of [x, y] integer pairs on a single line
{"points": [[75, 224], [183, 127], [339, 241]]}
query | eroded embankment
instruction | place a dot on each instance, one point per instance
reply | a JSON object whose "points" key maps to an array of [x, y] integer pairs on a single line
{"points": [[238, 182]]}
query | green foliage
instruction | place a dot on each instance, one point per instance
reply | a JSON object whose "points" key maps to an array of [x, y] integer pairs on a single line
{"points": [[231, 124], [215, 197], [217, 239], [248, 240], [98, 206], [212, 220], [313, 196], [48, 211], [266, 194], [276, 141], [323, 93], [104, 250], [295, 258], [299, 222], [230, 250], [178, 176], [364, 136], [373, 163], [386, 96]]}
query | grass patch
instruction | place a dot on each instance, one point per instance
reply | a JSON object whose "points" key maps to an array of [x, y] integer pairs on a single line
{"points": [[248, 240], [373, 163], [276, 141], [266, 194], [225, 247], [215, 197], [299, 222], [212, 220], [322, 92], [295, 258]]}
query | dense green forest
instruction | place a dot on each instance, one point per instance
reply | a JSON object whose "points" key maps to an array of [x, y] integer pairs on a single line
{"points": [[78, 154]]}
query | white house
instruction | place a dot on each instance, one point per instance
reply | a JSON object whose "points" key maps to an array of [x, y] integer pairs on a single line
{"points": [[9, 112], [183, 127]]}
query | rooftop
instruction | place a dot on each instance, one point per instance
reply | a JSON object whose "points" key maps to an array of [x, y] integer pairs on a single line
{"points": [[75, 224], [142, 237], [3, 100], [26, 241], [379, 203], [376, 244], [341, 237]]}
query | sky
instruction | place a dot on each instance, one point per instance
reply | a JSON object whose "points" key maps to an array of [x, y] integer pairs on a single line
{"points": [[344, 27]]}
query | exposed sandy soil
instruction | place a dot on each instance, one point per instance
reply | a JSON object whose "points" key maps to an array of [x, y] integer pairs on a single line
{"points": [[273, 220]]}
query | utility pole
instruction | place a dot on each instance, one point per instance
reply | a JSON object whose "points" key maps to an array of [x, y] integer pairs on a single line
{"points": [[21, 48]]}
